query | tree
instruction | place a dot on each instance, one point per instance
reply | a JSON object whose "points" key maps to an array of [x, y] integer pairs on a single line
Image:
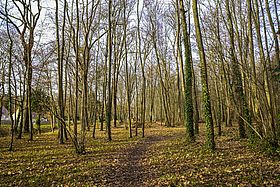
{"points": [[25, 22], [10, 82], [237, 79], [109, 59], [60, 60], [39, 104], [210, 143], [127, 81], [188, 77]]}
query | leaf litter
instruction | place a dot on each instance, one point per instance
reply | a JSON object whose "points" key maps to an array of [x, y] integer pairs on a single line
{"points": [[162, 158]]}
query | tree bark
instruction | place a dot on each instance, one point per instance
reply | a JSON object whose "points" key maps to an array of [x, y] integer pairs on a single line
{"points": [[210, 143], [188, 77]]}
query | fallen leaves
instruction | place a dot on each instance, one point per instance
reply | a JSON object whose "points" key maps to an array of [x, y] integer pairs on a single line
{"points": [[163, 158]]}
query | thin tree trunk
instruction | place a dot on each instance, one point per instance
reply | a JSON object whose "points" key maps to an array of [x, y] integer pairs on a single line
{"points": [[127, 82], [10, 85], [210, 143], [143, 93], [109, 59], [237, 80]]}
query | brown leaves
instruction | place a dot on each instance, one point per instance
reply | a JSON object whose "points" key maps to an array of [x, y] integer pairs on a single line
{"points": [[163, 158]]}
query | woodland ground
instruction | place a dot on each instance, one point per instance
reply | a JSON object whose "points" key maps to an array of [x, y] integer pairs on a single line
{"points": [[162, 158]]}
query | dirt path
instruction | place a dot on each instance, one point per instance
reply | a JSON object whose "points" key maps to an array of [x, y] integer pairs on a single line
{"points": [[162, 158], [127, 168]]}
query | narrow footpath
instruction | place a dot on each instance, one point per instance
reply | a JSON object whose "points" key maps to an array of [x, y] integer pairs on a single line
{"points": [[127, 168]]}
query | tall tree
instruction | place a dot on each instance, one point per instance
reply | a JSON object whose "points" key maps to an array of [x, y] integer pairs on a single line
{"points": [[188, 77], [242, 108], [142, 63], [252, 59], [25, 21], [60, 44], [9, 81], [127, 79], [210, 143], [109, 60]]}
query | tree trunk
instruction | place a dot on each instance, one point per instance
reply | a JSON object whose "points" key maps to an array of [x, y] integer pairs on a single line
{"points": [[109, 59], [210, 143], [242, 107], [188, 78]]}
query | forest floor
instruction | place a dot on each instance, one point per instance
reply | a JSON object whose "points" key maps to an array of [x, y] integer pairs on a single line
{"points": [[162, 158]]}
